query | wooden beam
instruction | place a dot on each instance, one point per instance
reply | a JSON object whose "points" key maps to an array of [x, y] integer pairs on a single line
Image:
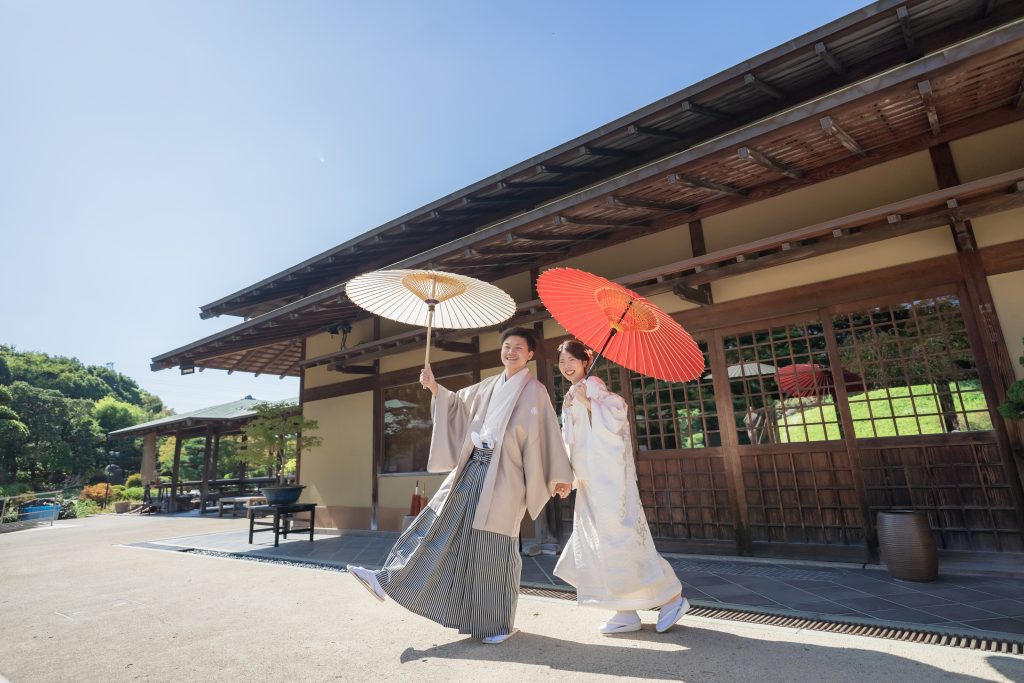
{"points": [[1018, 99], [823, 52], [903, 16], [761, 86], [244, 358], [924, 88], [574, 220], [457, 347], [510, 251], [763, 160], [353, 369], [541, 237], [636, 203], [276, 357], [654, 133], [520, 185], [707, 112], [832, 129], [694, 181], [696, 295], [589, 151], [481, 201], [555, 168]]}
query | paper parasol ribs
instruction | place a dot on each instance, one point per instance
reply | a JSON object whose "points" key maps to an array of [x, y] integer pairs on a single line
{"points": [[431, 298], [625, 327]]}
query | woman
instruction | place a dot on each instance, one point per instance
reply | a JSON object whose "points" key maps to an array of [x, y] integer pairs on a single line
{"points": [[610, 557], [458, 563]]}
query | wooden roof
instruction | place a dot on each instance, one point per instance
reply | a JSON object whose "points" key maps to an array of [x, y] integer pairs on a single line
{"points": [[226, 418], [880, 36], [965, 88]]}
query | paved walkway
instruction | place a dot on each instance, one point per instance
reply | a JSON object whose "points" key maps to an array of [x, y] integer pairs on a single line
{"points": [[953, 604]]}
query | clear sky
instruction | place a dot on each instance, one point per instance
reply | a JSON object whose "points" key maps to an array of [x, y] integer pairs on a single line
{"points": [[157, 156]]}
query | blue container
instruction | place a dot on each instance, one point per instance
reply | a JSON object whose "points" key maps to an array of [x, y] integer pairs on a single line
{"points": [[39, 512]]}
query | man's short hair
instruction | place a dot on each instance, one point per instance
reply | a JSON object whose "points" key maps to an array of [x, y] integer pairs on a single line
{"points": [[531, 340]]}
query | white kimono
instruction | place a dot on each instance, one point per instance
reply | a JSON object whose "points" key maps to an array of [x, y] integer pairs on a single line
{"points": [[610, 557]]}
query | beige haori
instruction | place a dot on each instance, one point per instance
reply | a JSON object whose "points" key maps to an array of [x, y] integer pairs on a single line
{"points": [[517, 417]]}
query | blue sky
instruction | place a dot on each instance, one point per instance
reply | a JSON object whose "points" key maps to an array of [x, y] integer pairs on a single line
{"points": [[156, 156]]}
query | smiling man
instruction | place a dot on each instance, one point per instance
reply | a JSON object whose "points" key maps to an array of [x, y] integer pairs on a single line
{"points": [[458, 563]]}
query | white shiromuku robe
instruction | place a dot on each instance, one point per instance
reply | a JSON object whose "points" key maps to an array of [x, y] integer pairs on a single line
{"points": [[610, 557]]}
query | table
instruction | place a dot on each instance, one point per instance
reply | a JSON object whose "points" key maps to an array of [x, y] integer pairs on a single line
{"points": [[283, 516], [246, 501]]}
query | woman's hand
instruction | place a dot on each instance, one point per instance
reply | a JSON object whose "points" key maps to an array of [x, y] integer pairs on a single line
{"points": [[579, 393], [427, 380]]}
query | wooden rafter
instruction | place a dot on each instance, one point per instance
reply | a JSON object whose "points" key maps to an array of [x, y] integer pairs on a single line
{"points": [[522, 185], [832, 129], [924, 89], [547, 237], [1018, 99], [245, 358], [903, 16], [826, 56], [591, 151], [694, 181], [574, 220], [636, 203], [762, 86], [649, 132], [278, 356], [555, 168], [701, 110], [765, 161]]}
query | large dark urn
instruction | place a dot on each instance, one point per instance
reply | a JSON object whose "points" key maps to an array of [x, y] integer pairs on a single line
{"points": [[906, 545], [282, 494]]}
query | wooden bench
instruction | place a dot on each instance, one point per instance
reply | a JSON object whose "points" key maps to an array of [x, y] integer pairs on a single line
{"points": [[246, 502]]}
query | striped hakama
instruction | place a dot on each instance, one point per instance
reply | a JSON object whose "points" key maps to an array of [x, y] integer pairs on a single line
{"points": [[447, 571]]}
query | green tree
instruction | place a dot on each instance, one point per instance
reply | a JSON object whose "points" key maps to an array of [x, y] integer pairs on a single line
{"points": [[112, 414], [275, 436], [13, 435], [1013, 407], [5, 369]]}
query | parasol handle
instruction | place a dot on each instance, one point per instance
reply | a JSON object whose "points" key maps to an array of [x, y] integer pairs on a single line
{"points": [[430, 325], [611, 333]]}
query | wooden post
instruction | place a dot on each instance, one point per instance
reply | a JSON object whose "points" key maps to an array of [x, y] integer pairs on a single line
{"points": [[698, 248], [378, 434], [215, 464], [730, 444], [995, 369], [172, 505], [204, 481]]}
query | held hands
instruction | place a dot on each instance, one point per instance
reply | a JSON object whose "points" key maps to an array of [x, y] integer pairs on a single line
{"points": [[427, 380], [563, 490]]}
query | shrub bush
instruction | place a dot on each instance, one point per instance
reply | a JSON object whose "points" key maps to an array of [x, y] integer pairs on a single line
{"points": [[15, 489], [97, 493], [85, 507], [133, 480], [134, 493]]}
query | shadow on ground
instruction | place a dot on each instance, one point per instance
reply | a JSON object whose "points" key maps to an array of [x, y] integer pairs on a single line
{"points": [[695, 653]]}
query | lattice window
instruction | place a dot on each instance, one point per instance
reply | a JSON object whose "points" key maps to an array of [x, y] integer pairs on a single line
{"points": [[673, 415], [919, 375], [781, 386], [407, 424]]}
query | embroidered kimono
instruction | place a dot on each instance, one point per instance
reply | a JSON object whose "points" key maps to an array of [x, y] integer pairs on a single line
{"points": [[458, 563], [610, 557]]}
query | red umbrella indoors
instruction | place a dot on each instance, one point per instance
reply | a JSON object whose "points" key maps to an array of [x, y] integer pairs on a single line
{"points": [[625, 327], [811, 379]]}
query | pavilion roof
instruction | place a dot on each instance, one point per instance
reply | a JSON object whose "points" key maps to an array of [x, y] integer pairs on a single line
{"points": [[225, 416]]}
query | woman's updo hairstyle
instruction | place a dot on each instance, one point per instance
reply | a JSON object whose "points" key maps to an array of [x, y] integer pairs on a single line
{"points": [[577, 350]]}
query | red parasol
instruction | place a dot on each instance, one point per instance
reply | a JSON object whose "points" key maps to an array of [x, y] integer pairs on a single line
{"points": [[627, 328], [811, 379]]}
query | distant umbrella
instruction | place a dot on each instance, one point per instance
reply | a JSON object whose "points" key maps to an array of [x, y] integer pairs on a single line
{"points": [[747, 370], [811, 379]]}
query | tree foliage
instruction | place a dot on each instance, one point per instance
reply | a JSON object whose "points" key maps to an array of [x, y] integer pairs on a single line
{"points": [[275, 436]]}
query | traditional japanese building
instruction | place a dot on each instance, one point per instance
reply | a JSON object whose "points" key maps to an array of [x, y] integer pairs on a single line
{"points": [[839, 221]]}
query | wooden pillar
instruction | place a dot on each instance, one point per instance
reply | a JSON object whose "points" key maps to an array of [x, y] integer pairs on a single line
{"points": [[215, 464], [378, 434], [995, 369], [698, 248], [302, 388], [172, 505], [204, 471], [730, 444], [149, 458]]}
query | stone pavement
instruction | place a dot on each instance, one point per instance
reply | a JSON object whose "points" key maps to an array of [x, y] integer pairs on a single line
{"points": [[82, 602], [953, 604]]}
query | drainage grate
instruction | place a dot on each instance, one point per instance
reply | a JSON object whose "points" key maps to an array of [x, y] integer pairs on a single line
{"points": [[907, 634]]}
